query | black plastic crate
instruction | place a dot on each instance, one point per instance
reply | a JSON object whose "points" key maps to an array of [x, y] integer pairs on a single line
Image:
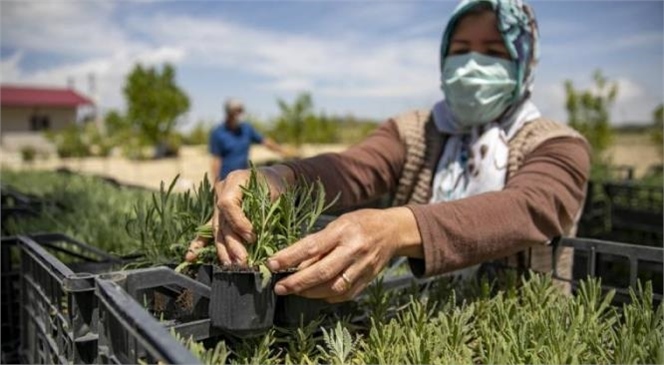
{"points": [[10, 197], [138, 309], [131, 331], [110, 180], [635, 212], [594, 220], [618, 265], [16, 205], [10, 300], [58, 304]]}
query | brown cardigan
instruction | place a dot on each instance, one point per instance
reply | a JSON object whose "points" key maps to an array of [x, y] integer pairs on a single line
{"points": [[536, 204]]}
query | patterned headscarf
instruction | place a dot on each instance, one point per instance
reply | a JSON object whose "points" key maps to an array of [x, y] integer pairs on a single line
{"points": [[517, 24]]}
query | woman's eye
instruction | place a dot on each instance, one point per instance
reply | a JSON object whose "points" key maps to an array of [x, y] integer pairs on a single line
{"points": [[459, 51], [498, 53]]}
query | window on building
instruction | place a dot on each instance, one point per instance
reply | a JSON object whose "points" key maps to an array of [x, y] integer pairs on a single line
{"points": [[40, 123]]}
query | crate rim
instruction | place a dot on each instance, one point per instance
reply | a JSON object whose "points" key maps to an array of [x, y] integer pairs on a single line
{"points": [[126, 310]]}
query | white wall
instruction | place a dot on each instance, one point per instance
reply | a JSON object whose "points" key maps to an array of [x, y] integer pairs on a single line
{"points": [[17, 119]]}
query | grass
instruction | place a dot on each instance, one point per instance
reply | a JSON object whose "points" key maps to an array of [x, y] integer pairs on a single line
{"points": [[83, 207]]}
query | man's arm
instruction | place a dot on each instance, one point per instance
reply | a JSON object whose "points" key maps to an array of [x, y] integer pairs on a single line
{"points": [[275, 147], [257, 137]]}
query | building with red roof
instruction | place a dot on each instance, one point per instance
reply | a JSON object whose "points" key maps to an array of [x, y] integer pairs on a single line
{"points": [[26, 109]]}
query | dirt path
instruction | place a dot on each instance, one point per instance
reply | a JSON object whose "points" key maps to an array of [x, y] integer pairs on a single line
{"points": [[192, 164], [635, 150]]}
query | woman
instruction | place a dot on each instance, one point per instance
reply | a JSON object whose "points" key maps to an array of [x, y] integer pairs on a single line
{"points": [[480, 176]]}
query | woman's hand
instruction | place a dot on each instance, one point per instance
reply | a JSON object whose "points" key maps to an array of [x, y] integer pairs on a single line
{"points": [[338, 262], [230, 226]]}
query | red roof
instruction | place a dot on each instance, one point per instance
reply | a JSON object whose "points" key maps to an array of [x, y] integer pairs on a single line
{"points": [[39, 96]]}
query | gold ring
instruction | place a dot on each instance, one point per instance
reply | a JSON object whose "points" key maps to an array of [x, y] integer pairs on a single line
{"points": [[346, 279]]}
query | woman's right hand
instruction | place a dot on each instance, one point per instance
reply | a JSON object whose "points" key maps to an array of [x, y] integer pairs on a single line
{"points": [[230, 226]]}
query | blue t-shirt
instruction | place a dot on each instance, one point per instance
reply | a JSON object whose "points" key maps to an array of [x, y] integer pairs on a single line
{"points": [[233, 146]]}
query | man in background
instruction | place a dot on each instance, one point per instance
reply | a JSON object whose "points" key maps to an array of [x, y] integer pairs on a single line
{"points": [[230, 142]]}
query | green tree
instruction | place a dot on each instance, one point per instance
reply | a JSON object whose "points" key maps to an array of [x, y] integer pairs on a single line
{"points": [[658, 126], [321, 129], [121, 132], [294, 119], [115, 123], [199, 135], [589, 111], [154, 102]]}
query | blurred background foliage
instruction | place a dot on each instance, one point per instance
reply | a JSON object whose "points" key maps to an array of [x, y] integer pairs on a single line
{"points": [[156, 105]]}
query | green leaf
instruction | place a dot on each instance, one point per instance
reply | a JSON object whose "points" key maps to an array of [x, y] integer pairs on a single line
{"points": [[182, 266], [266, 275]]}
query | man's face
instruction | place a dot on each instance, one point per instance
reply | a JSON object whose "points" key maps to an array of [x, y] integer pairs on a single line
{"points": [[234, 114]]}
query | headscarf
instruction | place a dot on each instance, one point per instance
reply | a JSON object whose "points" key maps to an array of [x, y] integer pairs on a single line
{"points": [[475, 161], [518, 26]]}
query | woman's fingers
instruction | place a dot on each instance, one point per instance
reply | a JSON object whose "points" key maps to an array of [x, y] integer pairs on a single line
{"points": [[199, 242], [219, 243], [308, 262], [230, 226], [338, 262], [231, 214], [308, 248], [356, 289], [329, 267], [233, 243], [222, 254], [340, 285], [229, 205], [194, 246]]}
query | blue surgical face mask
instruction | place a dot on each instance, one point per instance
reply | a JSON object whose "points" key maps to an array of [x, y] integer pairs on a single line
{"points": [[478, 88]]}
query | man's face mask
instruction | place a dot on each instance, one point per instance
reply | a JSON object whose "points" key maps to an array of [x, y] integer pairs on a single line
{"points": [[478, 88]]}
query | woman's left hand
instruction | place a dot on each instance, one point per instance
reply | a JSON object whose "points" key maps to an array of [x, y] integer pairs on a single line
{"points": [[338, 262]]}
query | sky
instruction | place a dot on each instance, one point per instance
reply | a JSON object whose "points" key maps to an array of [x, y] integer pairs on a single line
{"points": [[370, 59]]}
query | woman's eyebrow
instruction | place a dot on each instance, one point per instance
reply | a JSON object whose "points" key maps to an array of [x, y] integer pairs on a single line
{"points": [[487, 41]]}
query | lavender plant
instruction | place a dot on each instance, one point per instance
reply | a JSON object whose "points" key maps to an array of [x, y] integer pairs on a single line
{"points": [[528, 323], [280, 222], [276, 223], [164, 224]]}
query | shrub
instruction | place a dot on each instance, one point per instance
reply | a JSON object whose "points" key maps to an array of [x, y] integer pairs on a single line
{"points": [[28, 153]]}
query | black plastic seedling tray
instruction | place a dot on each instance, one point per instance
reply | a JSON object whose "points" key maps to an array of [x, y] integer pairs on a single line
{"points": [[293, 310], [241, 305], [58, 305]]}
